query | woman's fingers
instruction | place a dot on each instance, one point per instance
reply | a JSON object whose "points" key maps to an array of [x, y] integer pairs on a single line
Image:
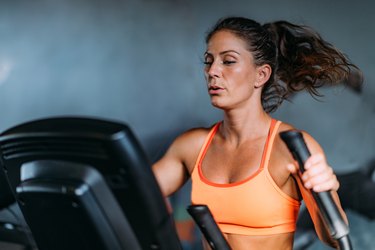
{"points": [[318, 175], [319, 181]]}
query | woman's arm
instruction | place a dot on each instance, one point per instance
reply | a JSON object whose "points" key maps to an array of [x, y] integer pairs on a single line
{"points": [[174, 168], [319, 177], [170, 171]]}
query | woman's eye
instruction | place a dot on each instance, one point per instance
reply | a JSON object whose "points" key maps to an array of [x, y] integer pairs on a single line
{"points": [[228, 62], [207, 62]]}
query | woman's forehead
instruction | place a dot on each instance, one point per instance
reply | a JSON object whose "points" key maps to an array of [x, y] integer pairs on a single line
{"points": [[225, 41]]}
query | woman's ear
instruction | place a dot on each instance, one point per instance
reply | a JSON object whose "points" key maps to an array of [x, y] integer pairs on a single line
{"points": [[263, 75]]}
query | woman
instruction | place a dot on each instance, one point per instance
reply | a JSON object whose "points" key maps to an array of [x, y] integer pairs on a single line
{"points": [[240, 167]]}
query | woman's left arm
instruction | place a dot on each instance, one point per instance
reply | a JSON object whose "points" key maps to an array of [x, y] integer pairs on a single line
{"points": [[318, 177]]}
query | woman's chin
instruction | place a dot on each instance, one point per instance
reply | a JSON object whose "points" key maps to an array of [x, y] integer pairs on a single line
{"points": [[218, 105]]}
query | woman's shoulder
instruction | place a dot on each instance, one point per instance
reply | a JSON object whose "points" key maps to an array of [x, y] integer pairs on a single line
{"points": [[191, 140], [188, 145], [312, 144], [285, 126], [194, 136]]}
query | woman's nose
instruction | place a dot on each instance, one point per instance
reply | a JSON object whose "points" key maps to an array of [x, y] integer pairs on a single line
{"points": [[213, 70]]}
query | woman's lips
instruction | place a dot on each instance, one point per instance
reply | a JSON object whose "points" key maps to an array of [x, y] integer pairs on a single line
{"points": [[214, 90]]}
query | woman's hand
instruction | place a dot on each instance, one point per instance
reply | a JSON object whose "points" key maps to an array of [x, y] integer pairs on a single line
{"points": [[318, 175]]}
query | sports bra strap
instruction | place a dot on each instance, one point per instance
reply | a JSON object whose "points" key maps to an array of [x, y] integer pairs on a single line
{"points": [[207, 143], [268, 148]]}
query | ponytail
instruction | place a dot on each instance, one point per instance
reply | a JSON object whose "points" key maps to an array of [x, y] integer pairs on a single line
{"points": [[307, 62]]}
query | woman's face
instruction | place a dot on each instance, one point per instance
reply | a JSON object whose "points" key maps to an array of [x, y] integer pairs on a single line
{"points": [[230, 71]]}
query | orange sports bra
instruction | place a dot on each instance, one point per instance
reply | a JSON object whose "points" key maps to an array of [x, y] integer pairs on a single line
{"points": [[253, 206]]}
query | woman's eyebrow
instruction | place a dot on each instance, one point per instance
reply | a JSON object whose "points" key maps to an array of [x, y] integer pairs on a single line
{"points": [[223, 52], [229, 51]]}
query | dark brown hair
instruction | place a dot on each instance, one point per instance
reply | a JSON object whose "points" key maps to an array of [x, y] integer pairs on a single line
{"points": [[300, 59]]}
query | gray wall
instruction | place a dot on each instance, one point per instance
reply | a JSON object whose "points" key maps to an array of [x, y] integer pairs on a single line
{"points": [[140, 62]]}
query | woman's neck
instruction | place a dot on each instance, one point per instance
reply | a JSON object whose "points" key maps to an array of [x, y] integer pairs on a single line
{"points": [[240, 125]]}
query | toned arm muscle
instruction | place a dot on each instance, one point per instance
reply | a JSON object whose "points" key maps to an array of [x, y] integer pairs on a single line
{"points": [[174, 168], [319, 177]]}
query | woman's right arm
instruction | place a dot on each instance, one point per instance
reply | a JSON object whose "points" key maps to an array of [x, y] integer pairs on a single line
{"points": [[174, 168]]}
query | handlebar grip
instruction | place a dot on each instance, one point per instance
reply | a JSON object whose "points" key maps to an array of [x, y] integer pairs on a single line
{"points": [[206, 223], [327, 207]]}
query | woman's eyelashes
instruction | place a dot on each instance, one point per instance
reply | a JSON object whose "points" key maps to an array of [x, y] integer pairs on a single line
{"points": [[229, 62], [224, 62], [206, 62]]}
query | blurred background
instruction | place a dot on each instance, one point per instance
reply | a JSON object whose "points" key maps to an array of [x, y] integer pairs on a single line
{"points": [[141, 62]]}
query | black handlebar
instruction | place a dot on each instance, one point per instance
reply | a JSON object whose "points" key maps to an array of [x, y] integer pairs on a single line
{"points": [[206, 223], [333, 219]]}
